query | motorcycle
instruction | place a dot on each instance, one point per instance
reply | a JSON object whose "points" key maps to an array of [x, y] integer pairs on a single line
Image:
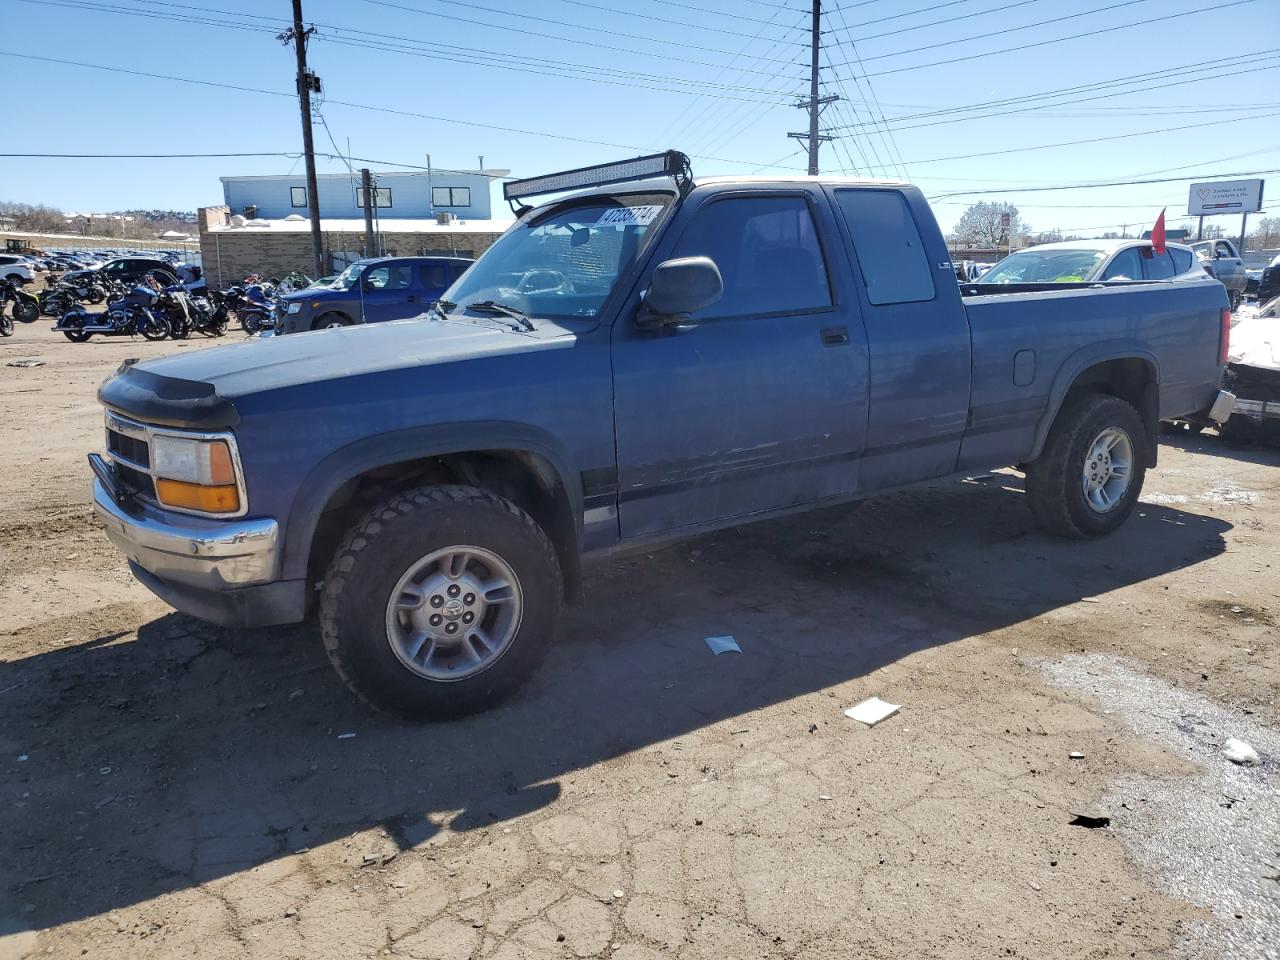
{"points": [[134, 313], [56, 299], [26, 306], [250, 305], [87, 290], [187, 314]]}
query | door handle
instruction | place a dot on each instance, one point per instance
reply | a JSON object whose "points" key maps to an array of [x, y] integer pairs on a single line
{"points": [[834, 336]]}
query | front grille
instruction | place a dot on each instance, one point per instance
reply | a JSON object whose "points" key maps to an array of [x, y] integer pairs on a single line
{"points": [[130, 456], [135, 482], [133, 449]]}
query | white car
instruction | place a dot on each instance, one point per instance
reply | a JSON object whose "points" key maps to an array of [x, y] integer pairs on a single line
{"points": [[16, 268], [1090, 261]]}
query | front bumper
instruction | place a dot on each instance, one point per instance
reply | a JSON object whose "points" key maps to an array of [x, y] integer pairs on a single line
{"points": [[218, 570]]}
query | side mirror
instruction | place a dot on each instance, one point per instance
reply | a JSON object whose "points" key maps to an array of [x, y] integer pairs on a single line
{"points": [[678, 288]]}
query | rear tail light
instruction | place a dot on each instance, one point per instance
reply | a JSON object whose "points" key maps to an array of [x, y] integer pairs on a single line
{"points": [[1224, 344]]}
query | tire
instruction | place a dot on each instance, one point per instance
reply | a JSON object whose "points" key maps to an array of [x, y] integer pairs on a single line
{"points": [[156, 329], [1233, 300], [331, 320], [26, 312], [250, 321], [383, 551], [1056, 480], [6, 325], [77, 336], [96, 294], [16, 278]]}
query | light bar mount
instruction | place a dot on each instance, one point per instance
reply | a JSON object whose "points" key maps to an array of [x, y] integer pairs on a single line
{"points": [[671, 163]]}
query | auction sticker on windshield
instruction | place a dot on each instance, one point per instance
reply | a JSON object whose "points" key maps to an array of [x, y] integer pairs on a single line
{"points": [[625, 216]]}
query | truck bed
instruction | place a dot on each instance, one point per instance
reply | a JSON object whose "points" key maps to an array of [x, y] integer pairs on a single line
{"points": [[1031, 340]]}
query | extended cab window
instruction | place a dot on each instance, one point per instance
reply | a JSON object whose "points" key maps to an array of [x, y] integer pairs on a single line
{"points": [[888, 246], [1181, 260], [768, 254]]}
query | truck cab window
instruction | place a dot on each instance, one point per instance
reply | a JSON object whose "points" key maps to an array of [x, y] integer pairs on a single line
{"points": [[768, 253], [887, 243]]}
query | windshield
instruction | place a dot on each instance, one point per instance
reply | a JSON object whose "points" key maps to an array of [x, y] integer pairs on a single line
{"points": [[563, 263], [348, 277], [1046, 266]]}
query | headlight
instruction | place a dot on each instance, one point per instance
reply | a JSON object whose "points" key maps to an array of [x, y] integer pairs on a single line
{"points": [[194, 474], [294, 308]]}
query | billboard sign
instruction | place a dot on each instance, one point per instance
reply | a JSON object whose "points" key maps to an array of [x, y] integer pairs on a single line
{"points": [[1225, 196]]}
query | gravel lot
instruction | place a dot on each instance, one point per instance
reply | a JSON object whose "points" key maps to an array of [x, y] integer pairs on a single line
{"points": [[170, 789]]}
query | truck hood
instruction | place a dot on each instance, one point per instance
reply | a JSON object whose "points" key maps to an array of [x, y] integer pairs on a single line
{"points": [[216, 375]]}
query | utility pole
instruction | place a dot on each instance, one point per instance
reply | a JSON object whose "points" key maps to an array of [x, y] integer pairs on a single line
{"points": [[366, 188], [307, 82], [815, 103]]}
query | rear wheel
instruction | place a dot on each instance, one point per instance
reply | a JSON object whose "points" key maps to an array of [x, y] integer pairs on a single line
{"points": [[1089, 475], [26, 311], [76, 336], [440, 603]]}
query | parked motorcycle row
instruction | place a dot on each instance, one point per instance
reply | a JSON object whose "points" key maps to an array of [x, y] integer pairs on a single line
{"points": [[146, 309]]}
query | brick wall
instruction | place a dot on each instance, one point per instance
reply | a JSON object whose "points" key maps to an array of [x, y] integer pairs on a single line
{"points": [[230, 256]]}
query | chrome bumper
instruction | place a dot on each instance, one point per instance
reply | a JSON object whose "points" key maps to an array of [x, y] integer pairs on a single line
{"points": [[1258, 409], [207, 554]]}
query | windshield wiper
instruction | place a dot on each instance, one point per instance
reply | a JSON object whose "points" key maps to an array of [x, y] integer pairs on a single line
{"points": [[504, 310]]}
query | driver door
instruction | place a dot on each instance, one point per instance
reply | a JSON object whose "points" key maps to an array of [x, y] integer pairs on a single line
{"points": [[761, 402]]}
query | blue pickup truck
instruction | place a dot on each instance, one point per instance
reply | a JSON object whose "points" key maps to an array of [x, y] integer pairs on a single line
{"points": [[370, 291], [645, 359]]}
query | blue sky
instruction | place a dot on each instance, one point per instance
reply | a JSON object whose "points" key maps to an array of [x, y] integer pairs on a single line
{"points": [[541, 86]]}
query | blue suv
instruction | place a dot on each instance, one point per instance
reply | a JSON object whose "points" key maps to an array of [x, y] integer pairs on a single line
{"points": [[370, 291]]}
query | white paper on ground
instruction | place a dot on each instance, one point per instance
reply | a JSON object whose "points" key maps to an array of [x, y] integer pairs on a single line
{"points": [[1237, 751], [872, 711], [721, 645]]}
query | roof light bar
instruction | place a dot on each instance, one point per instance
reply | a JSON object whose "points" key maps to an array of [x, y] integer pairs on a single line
{"points": [[672, 164]]}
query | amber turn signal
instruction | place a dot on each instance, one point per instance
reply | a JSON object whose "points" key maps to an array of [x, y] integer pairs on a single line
{"points": [[195, 496]]}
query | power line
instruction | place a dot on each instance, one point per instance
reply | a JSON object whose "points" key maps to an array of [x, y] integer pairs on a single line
{"points": [[965, 116], [684, 24], [931, 23], [1076, 143], [1097, 185], [526, 16], [1146, 21], [364, 106], [720, 13], [445, 53], [892, 143], [999, 33]]}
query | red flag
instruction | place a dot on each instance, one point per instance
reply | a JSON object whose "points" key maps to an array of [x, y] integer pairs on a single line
{"points": [[1157, 233]]}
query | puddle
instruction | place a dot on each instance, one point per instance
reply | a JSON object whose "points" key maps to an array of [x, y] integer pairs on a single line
{"points": [[1212, 839]]}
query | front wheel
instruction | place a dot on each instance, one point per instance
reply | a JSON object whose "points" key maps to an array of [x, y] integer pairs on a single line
{"points": [[6, 324], [1089, 475], [26, 311], [440, 603], [96, 294], [331, 321], [154, 328]]}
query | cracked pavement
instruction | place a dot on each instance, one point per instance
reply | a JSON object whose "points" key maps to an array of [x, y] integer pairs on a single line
{"points": [[186, 791]]}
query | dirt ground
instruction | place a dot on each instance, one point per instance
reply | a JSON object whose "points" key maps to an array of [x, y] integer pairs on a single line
{"points": [[170, 789]]}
